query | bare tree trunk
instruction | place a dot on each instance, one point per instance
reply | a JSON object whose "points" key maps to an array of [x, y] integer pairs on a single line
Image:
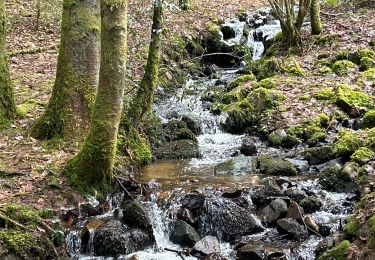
{"points": [[68, 112], [144, 97], [7, 103], [91, 169], [316, 23]]}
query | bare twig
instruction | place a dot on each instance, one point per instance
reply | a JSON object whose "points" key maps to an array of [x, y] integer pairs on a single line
{"points": [[176, 251], [123, 187], [33, 50]]}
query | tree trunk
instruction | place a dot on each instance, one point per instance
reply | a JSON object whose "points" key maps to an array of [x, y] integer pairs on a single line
{"points": [[7, 103], [91, 169], [144, 97], [316, 23], [185, 4], [68, 112]]}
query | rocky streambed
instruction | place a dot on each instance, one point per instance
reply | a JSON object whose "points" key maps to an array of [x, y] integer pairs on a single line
{"points": [[218, 190]]}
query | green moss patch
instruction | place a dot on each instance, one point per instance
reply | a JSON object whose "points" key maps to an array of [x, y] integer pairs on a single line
{"points": [[348, 99], [336, 253], [324, 94], [343, 67], [240, 80], [268, 83], [347, 143], [368, 120], [362, 155]]}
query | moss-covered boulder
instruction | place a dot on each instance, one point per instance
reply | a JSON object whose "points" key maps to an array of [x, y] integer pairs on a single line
{"points": [[177, 130], [324, 94], [292, 67], [241, 80], [181, 149], [311, 204], [269, 68], [368, 120], [362, 155], [236, 95], [273, 166], [268, 83], [370, 138], [367, 63], [350, 100], [135, 215], [321, 154], [240, 165], [248, 112], [347, 143], [343, 67], [334, 179], [336, 253]]}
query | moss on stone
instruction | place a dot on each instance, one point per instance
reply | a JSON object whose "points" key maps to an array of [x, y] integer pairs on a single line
{"points": [[241, 80], [269, 68], [268, 83], [367, 63], [343, 67], [325, 70], [235, 95], [321, 154], [292, 67], [336, 253], [342, 55], [362, 155], [297, 131], [274, 166], [366, 53], [370, 138], [347, 143], [348, 98], [368, 120], [372, 42], [324, 94]]}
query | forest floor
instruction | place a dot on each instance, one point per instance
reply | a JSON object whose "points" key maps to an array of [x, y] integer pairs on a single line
{"points": [[29, 168]]}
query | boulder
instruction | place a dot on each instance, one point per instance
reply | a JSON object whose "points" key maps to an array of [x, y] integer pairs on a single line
{"points": [[292, 227], [294, 211], [274, 166], [240, 165], [193, 201], [310, 222], [184, 234], [273, 211], [192, 124], [206, 246], [301, 165], [322, 154], [135, 215], [224, 218], [248, 149], [310, 204], [114, 238], [268, 188], [295, 193], [251, 251], [176, 130]]}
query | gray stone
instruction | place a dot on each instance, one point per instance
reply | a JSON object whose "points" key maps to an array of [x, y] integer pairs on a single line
{"points": [[301, 165], [240, 165], [273, 211], [184, 234], [206, 246], [292, 227]]}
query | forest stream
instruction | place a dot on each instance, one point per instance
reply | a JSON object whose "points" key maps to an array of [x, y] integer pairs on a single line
{"points": [[221, 194]]}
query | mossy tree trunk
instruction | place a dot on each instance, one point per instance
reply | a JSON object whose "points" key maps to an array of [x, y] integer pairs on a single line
{"points": [[316, 23], [144, 97], [290, 20], [7, 103], [185, 4], [91, 169], [69, 109]]}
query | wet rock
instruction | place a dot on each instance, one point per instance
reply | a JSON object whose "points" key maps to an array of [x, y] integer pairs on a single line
{"points": [[273, 166], [301, 165], [268, 188], [322, 154], [273, 211], [206, 246], [187, 216], [228, 32], [176, 130], [251, 251], [184, 234], [182, 149], [223, 217], [311, 204], [324, 245], [248, 149], [239, 165], [114, 238], [277, 137], [192, 124], [295, 193], [324, 230], [294, 211], [333, 179], [231, 194], [292, 227], [89, 210], [193, 201], [135, 215]]}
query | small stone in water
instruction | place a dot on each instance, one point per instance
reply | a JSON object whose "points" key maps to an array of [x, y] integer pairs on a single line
{"points": [[207, 245]]}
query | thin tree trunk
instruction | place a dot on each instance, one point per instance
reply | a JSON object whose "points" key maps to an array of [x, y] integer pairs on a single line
{"points": [[68, 112], [316, 23], [144, 97], [7, 103], [91, 169]]}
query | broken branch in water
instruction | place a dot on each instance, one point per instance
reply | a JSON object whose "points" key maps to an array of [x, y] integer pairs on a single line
{"points": [[176, 251]]}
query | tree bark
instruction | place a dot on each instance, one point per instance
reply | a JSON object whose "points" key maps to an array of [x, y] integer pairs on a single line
{"points": [[143, 100], [316, 23], [7, 103], [69, 109], [91, 169]]}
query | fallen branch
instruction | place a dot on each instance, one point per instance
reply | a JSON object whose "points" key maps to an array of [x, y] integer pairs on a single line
{"points": [[33, 50], [327, 14], [6, 218], [175, 251], [123, 187]]}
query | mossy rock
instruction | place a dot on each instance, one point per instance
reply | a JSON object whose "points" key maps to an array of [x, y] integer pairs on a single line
{"points": [[267, 83], [292, 67], [176, 130], [324, 94], [325, 70], [269, 68], [362, 155], [274, 166], [343, 67], [370, 138], [321, 154], [311, 204], [235, 95], [349, 99], [342, 55], [347, 143], [368, 120], [240, 80], [372, 42], [181, 149], [367, 63], [135, 215], [333, 179], [336, 253]]}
